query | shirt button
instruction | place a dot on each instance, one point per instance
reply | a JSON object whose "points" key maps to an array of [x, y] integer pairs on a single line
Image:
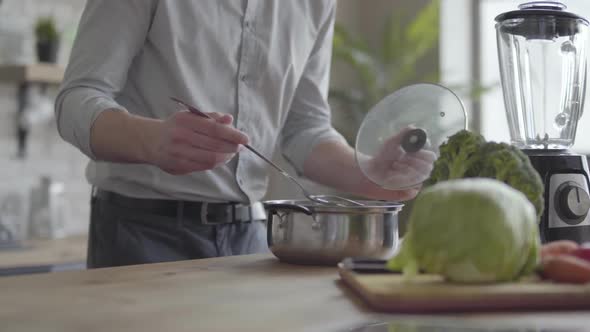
{"points": [[244, 78], [247, 24], [240, 182]]}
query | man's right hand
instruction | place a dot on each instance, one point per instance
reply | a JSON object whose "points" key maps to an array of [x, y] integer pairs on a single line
{"points": [[186, 143], [181, 144]]}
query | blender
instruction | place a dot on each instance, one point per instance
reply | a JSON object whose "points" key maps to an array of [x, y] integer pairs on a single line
{"points": [[542, 57]]}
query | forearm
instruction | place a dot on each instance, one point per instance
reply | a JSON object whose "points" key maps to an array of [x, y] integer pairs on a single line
{"points": [[121, 137], [181, 144], [333, 164]]}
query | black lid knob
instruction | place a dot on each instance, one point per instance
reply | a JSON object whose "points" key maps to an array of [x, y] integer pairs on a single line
{"points": [[414, 140]]}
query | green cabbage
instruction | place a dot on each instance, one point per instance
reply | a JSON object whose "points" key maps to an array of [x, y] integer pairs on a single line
{"points": [[470, 230]]}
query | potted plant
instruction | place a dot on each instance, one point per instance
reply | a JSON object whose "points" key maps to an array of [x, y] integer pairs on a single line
{"points": [[47, 39]]}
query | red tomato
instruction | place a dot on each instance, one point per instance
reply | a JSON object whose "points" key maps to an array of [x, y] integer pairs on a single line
{"points": [[566, 269], [558, 248], [583, 253]]}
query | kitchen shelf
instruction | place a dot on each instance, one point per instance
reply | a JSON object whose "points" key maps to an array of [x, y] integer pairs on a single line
{"points": [[38, 256], [25, 76]]}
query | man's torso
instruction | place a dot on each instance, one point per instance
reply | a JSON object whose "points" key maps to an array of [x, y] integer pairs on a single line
{"points": [[244, 58]]}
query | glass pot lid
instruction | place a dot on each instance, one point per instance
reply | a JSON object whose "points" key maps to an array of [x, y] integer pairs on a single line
{"points": [[398, 140]]}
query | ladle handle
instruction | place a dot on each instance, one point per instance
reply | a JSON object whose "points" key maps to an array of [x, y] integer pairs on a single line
{"points": [[283, 172], [275, 207]]}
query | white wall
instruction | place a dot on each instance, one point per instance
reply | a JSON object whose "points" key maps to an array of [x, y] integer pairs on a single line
{"points": [[456, 47]]}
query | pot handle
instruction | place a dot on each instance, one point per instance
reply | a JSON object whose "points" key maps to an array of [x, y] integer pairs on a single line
{"points": [[284, 206]]}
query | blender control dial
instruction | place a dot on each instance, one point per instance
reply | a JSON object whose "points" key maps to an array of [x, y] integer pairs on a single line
{"points": [[573, 202]]}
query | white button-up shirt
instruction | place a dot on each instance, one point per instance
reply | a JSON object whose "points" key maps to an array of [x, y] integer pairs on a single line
{"points": [[266, 62]]}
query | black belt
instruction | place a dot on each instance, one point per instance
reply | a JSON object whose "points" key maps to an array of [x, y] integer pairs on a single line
{"points": [[202, 212]]}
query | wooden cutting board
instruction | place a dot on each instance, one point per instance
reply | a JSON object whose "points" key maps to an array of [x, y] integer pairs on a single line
{"points": [[429, 293]]}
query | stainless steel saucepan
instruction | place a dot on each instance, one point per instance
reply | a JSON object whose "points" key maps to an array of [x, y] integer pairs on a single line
{"points": [[305, 232]]}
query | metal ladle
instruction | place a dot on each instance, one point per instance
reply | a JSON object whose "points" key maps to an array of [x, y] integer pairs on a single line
{"points": [[322, 199]]}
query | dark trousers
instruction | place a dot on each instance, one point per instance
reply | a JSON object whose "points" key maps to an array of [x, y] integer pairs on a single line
{"points": [[120, 236]]}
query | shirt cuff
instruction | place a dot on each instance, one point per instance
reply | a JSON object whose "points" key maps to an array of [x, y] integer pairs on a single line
{"points": [[76, 112], [297, 150]]}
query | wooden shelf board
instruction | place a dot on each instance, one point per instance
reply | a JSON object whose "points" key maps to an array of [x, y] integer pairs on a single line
{"points": [[46, 252], [36, 73]]}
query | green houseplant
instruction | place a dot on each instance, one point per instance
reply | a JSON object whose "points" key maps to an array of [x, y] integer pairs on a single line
{"points": [[47, 39]]}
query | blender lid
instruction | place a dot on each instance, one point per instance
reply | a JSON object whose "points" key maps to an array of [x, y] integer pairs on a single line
{"points": [[540, 9], [399, 139]]}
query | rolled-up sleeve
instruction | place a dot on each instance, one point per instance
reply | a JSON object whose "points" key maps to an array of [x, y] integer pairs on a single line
{"points": [[111, 33], [309, 119]]}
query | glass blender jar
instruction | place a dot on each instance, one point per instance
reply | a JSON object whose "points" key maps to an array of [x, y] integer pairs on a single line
{"points": [[542, 53], [542, 57]]}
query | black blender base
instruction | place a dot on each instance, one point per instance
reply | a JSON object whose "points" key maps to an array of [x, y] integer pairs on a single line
{"points": [[580, 234], [554, 164]]}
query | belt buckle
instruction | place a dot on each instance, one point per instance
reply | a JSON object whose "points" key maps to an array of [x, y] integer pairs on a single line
{"points": [[205, 220]]}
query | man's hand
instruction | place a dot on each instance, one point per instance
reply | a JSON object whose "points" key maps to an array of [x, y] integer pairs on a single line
{"points": [[181, 144], [395, 168], [188, 143]]}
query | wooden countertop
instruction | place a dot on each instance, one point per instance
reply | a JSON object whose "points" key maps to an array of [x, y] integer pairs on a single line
{"points": [[34, 73], [68, 250], [240, 293]]}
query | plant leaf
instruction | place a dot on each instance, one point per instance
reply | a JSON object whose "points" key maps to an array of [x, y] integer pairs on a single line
{"points": [[357, 55], [423, 32], [393, 38]]}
